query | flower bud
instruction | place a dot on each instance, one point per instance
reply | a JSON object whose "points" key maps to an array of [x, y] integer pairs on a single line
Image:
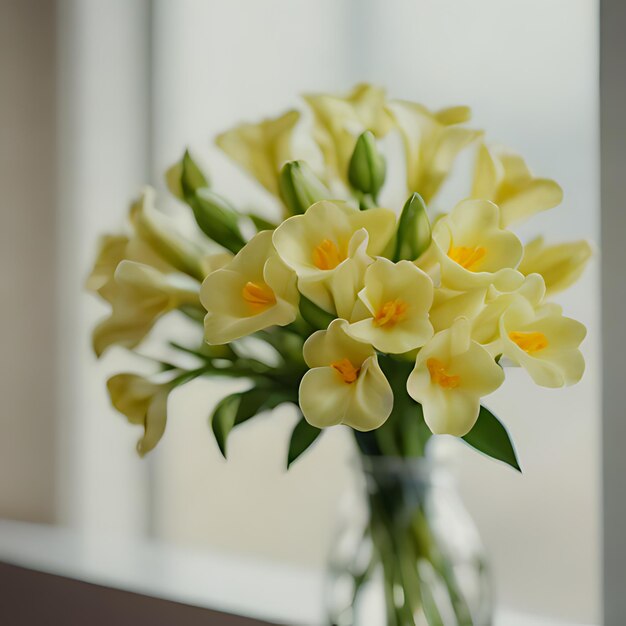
{"points": [[216, 218], [184, 178], [367, 168], [299, 187], [414, 232], [192, 177]]}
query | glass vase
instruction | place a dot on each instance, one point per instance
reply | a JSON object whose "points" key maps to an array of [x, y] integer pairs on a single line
{"points": [[407, 553]]}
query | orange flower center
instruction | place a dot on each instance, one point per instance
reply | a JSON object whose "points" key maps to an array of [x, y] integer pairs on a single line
{"points": [[258, 295], [467, 257], [391, 313], [346, 370], [438, 374], [529, 341], [327, 255]]}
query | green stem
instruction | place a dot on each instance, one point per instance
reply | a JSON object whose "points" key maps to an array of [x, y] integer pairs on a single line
{"points": [[403, 538], [440, 562]]}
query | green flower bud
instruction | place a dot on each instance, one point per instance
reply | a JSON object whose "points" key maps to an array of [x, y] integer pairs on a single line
{"points": [[216, 218], [192, 177], [299, 187], [414, 232], [185, 177], [367, 168]]}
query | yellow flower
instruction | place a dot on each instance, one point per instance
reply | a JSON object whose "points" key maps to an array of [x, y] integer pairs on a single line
{"points": [[432, 141], [158, 232], [340, 120], [153, 241], [143, 403], [449, 304], [262, 149], [329, 248], [394, 305], [112, 249], [472, 249], [543, 342], [253, 291], [452, 372], [215, 261], [345, 384], [139, 296], [504, 178], [486, 325], [560, 265]]}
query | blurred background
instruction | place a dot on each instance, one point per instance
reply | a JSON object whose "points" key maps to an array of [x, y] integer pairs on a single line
{"points": [[98, 98]]}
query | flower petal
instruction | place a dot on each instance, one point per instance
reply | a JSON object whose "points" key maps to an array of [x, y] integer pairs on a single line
{"points": [[372, 399], [324, 397]]}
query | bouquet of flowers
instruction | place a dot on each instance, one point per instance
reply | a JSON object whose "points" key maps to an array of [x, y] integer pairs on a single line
{"points": [[393, 321]]}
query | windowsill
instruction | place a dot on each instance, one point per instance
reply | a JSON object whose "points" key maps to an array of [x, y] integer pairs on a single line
{"points": [[233, 584]]}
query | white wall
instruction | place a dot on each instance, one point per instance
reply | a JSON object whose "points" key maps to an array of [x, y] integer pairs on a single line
{"points": [[103, 160], [529, 70]]}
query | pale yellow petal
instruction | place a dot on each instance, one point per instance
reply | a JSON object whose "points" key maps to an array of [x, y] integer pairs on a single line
{"points": [[450, 412], [432, 141], [339, 120], [111, 250], [262, 148], [156, 420], [492, 252], [372, 398], [486, 175], [324, 398], [327, 346], [143, 403], [404, 337], [503, 177], [230, 313], [160, 232], [560, 265], [451, 374], [448, 305], [538, 195], [131, 395], [558, 362], [398, 297]]}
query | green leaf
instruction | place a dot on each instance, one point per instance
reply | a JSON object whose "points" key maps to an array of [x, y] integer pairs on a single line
{"points": [[240, 407], [414, 232], [490, 437], [302, 437], [259, 399], [216, 218], [223, 419], [314, 315]]}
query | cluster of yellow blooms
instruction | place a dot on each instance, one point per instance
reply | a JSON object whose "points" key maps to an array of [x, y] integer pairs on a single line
{"points": [[451, 294]]}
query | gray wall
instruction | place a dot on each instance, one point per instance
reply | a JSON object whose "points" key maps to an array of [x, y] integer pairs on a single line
{"points": [[613, 138], [27, 258]]}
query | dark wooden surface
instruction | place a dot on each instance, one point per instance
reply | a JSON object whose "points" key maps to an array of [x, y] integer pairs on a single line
{"points": [[29, 598]]}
